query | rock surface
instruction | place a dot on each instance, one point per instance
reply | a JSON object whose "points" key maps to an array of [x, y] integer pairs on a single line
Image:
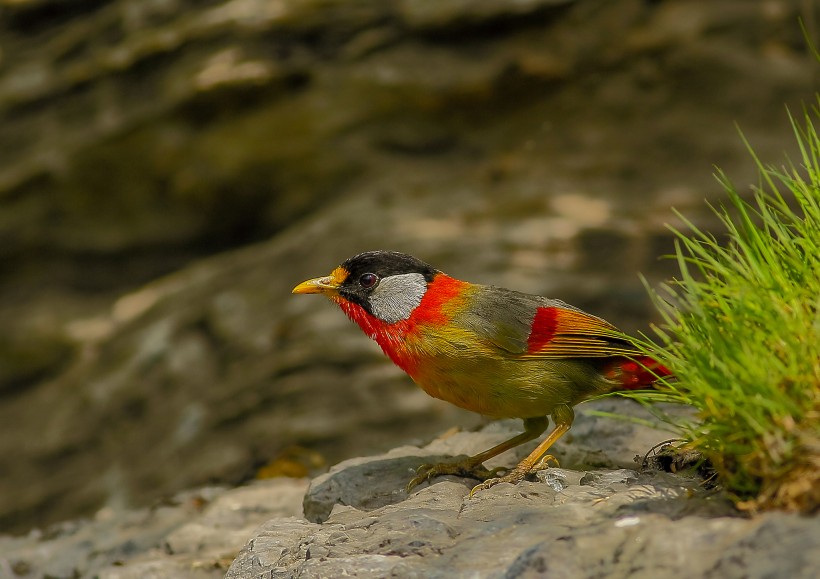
{"points": [[599, 515], [577, 522], [196, 534], [535, 144], [575, 525]]}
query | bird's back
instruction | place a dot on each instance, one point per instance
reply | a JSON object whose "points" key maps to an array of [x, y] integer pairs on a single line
{"points": [[493, 357]]}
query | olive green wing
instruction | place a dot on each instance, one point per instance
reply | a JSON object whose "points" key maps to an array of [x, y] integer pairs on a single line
{"points": [[529, 326]]}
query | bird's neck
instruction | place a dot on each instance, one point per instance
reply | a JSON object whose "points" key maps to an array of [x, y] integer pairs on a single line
{"points": [[436, 308]]}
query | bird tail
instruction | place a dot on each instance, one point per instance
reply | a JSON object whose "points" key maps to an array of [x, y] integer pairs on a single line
{"points": [[635, 373]]}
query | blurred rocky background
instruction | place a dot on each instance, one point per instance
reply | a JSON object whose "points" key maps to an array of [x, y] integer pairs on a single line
{"points": [[169, 169]]}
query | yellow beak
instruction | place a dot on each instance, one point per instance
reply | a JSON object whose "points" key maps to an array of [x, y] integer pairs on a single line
{"points": [[318, 285], [328, 285]]}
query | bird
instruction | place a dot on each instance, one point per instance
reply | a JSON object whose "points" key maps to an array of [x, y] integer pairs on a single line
{"points": [[494, 351]]}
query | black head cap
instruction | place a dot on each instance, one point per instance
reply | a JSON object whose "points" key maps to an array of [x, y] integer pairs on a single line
{"points": [[367, 269]]}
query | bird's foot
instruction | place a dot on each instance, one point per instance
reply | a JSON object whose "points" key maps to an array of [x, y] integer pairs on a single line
{"points": [[544, 463], [516, 475], [465, 468]]}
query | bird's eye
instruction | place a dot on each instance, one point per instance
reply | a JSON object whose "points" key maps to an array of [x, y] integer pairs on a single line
{"points": [[368, 280]]}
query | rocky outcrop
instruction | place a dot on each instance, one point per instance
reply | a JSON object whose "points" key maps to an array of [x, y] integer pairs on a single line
{"points": [[149, 127], [592, 519], [537, 145], [568, 524], [601, 514], [195, 534]]}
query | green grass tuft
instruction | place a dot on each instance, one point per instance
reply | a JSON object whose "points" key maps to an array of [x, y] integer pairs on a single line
{"points": [[741, 333]]}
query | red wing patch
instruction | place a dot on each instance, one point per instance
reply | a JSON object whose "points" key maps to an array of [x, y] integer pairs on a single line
{"points": [[559, 332], [543, 329]]}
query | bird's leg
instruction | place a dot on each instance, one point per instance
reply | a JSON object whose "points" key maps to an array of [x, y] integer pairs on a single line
{"points": [[473, 465], [563, 416]]}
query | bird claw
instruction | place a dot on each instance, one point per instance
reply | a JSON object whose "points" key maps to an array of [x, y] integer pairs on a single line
{"points": [[516, 475], [544, 463], [463, 468]]}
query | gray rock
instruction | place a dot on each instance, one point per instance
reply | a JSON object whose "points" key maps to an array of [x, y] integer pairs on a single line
{"points": [[597, 523], [575, 521], [195, 535], [374, 484], [367, 483]]}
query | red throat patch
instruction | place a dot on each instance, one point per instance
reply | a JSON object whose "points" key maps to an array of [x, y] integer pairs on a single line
{"points": [[393, 338]]}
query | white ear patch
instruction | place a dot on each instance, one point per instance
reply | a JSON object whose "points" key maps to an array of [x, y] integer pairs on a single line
{"points": [[396, 296]]}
